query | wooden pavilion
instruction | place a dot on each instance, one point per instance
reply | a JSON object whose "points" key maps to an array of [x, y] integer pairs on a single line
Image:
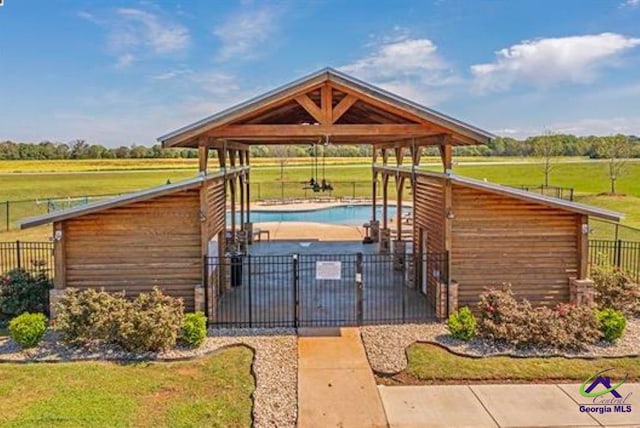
{"points": [[493, 234]]}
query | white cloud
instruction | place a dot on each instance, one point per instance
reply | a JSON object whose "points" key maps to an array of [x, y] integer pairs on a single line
{"points": [[133, 34], [630, 3], [545, 62], [411, 67], [243, 35]]}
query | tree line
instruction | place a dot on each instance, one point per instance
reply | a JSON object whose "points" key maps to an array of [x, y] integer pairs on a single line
{"points": [[558, 144]]}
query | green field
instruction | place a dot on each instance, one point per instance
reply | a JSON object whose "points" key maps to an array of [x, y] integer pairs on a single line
{"points": [[213, 391], [589, 179]]}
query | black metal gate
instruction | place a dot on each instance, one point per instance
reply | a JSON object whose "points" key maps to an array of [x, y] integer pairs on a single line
{"points": [[303, 290]]}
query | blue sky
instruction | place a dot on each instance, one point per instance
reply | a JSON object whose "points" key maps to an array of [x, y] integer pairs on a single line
{"points": [[123, 72]]}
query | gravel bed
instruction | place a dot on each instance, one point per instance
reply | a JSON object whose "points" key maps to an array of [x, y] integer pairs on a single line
{"points": [[275, 364], [386, 345]]}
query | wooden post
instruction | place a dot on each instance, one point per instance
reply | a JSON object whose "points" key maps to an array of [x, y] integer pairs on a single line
{"points": [[582, 234], [448, 224], [222, 157], [385, 200], [248, 184], [232, 191], [399, 191], [327, 105], [399, 155], [203, 155], [446, 153], [374, 189]]}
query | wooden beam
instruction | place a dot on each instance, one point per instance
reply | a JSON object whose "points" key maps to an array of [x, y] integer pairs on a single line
{"points": [[214, 143], [310, 107], [416, 155], [446, 153], [222, 157], [399, 191], [385, 200], [399, 155], [582, 234], [293, 131], [374, 191], [385, 156], [232, 158], [345, 104], [326, 100], [448, 215], [203, 155]]}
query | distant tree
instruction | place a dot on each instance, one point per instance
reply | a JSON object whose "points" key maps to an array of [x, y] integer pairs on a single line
{"points": [[547, 147], [616, 150], [79, 149], [282, 153], [121, 152]]}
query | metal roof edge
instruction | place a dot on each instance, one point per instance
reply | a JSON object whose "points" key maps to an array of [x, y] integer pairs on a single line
{"points": [[141, 195]]}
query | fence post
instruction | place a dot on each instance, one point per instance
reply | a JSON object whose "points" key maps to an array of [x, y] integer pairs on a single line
{"points": [[295, 292], [8, 216], [205, 282], [359, 289], [249, 285], [18, 256], [353, 193], [618, 254]]}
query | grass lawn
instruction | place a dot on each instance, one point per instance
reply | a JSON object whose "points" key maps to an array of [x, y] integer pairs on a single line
{"points": [[214, 391], [432, 364]]}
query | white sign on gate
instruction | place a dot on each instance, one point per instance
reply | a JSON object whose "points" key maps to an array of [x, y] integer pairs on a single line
{"points": [[329, 270]]}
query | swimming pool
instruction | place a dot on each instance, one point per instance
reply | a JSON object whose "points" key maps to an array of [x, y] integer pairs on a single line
{"points": [[342, 214]]}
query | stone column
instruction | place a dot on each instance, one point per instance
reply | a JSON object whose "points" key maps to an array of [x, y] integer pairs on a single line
{"points": [[384, 242], [581, 291], [453, 297], [198, 299], [399, 255], [374, 230], [248, 228]]}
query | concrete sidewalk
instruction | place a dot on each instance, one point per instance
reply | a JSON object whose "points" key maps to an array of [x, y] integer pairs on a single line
{"points": [[336, 387], [515, 405]]}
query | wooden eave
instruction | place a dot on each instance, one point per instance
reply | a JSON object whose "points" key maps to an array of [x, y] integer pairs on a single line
{"points": [[327, 104]]}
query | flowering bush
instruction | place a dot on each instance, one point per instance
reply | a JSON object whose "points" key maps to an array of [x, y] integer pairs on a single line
{"points": [[504, 319], [22, 291], [150, 322], [616, 290], [462, 324]]}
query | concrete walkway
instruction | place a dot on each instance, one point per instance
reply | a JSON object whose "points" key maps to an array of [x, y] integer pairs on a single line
{"points": [[336, 387], [501, 406]]}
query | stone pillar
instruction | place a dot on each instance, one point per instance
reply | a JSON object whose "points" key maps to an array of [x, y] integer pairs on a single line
{"points": [[399, 255], [248, 228], [446, 299], [198, 299], [410, 272], [54, 296], [384, 242], [581, 291], [374, 230]]}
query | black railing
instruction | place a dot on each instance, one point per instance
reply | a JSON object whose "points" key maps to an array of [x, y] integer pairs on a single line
{"points": [[322, 290], [31, 256], [565, 193], [624, 255]]}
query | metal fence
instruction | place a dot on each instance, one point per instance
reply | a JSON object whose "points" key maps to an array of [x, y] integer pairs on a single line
{"points": [[31, 256], [320, 290], [624, 255], [565, 193], [296, 189]]}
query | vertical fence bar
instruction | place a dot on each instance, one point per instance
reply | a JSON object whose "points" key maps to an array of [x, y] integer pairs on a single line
{"points": [[249, 276], [8, 216], [18, 255], [296, 303], [359, 290]]}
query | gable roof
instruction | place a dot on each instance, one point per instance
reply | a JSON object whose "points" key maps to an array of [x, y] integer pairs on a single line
{"points": [[531, 196], [142, 195], [328, 74]]}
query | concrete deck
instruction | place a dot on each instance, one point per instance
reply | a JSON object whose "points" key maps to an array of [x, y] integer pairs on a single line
{"points": [[536, 405], [285, 230], [336, 387]]}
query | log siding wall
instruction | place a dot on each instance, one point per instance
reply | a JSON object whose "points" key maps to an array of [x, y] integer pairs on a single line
{"points": [[138, 246], [497, 239]]}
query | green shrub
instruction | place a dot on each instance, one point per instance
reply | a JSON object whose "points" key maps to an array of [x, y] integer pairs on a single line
{"points": [[28, 329], [503, 319], [612, 324], [194, 329], [615, 289], [152, 323], [22, 291], [462, 324], [84, 317]]}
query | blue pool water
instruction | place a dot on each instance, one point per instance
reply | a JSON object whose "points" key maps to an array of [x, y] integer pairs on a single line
{"points": [[345, 214]]}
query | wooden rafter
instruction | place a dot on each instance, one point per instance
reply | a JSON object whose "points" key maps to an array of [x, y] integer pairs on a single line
{"points": [[327, 105], [342, 107], [310, 107]]}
